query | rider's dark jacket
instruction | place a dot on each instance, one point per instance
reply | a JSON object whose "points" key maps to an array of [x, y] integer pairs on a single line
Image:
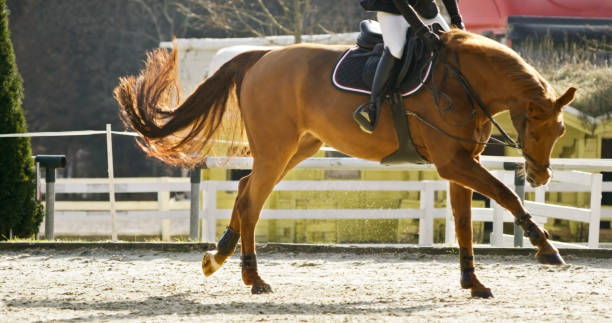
{"points": [[380, 5], [425, 8]]}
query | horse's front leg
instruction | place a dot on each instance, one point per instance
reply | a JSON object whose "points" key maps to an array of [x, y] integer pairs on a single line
{"points": [[469, 173], [461, 200]]}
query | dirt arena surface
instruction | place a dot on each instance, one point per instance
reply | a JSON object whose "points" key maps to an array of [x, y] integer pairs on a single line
{"points": [[39, 285]]}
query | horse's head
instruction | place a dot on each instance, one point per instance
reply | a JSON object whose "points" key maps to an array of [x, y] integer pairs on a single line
{"points": [[538, 129]]}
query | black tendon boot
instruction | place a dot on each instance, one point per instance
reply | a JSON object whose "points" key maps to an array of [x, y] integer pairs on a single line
{"points": [[367, 114]]}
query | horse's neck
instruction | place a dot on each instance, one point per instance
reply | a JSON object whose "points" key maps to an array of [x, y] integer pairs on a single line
{"points": [[496, 92]]}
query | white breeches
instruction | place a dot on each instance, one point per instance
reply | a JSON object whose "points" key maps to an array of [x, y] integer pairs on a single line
{"points": [[394, 28]]}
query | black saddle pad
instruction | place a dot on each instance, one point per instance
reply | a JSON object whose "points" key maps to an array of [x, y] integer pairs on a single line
{"points": [[355, 69]]}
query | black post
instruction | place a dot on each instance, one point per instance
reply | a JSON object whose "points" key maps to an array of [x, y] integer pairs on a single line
{"points": [[519, 189], [194, 217], [50, 163]]}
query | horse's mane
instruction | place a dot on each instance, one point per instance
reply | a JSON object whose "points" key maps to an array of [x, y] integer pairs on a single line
{"points": [[525, 78]]}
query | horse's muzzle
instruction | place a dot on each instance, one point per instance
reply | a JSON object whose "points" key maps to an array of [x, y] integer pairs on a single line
{"points": [[535, 178]]}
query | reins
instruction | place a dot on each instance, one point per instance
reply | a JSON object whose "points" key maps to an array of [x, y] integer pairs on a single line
{"points": [[472, 96], [475, 100]]}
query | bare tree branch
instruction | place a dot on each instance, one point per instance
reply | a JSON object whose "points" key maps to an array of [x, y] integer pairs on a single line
{"points": [[272, 18]]}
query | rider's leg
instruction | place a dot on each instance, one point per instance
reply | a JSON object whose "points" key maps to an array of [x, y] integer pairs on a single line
{"points": [[394, 29]]}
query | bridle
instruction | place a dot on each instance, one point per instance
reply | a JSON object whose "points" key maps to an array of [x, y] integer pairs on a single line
{"points": [[528, 159], [475, 100]]}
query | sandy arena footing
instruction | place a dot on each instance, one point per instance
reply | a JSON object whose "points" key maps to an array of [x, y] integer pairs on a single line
{"points": [[91, 283]]}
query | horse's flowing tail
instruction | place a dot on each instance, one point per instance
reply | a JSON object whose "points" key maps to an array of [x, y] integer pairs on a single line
{"points": [[183, 135]]}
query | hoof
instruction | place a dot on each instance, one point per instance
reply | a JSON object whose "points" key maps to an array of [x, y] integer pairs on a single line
{"points": [[209, 265], [261, 288], [550, 258], [482, 293]]}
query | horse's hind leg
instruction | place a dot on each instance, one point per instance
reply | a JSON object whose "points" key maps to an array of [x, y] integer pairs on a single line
{"points": [[253, 191], [227, 244], [461, 199], [267, 171]]}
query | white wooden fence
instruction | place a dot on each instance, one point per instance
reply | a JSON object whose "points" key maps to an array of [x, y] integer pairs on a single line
{"points": [[426, 213], [562, 181], [132, 217], [145, 217]]}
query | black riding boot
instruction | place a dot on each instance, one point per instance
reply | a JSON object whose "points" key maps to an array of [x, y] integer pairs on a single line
{"points": [[367, 114]]}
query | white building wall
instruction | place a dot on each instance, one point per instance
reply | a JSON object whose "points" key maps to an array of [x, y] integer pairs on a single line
{"points": [[197, 56]]}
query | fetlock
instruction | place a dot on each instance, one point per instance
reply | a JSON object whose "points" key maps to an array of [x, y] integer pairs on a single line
{"points": [[537, 236], [248, 262], [227, 244], [531, 230], [466, 263]]}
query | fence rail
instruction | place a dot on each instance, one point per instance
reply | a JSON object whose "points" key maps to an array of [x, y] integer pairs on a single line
{"points": [[130, 215], [590, 165]]}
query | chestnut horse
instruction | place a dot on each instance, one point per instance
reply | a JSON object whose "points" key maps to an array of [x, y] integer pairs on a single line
{"points": [[288, 108]]}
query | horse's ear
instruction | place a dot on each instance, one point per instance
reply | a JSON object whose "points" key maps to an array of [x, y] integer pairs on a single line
{"points": [[566, 98]]}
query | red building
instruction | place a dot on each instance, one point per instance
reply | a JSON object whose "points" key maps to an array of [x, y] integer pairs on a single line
{"points": [[492, 15]]}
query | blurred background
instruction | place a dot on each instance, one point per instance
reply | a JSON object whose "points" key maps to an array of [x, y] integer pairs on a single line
{"points": [[71, 53]]}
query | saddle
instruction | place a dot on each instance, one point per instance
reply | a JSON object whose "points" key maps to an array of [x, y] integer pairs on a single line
{"points": [[354, 71]]}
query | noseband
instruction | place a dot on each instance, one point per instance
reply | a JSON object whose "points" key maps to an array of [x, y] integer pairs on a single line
{"points": [[530, 161]]}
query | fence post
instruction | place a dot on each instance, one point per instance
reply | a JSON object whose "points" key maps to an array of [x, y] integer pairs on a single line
{"points": [[165, 230], [111, 182], [163, 197], [196, 175], [210, 206], [426, 217], [49, 202], [497, 234], [50, 163], [449, 226], [595, 216], [519, 188], [38, 191]]}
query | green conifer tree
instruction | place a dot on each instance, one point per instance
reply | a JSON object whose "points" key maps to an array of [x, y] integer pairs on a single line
{"points": [[20, 212]]}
